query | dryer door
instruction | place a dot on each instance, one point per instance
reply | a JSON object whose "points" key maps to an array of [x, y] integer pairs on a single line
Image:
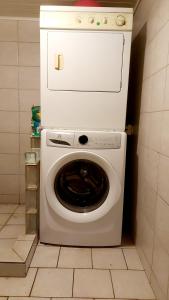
{"points": [[82, 187], [85, 61]]}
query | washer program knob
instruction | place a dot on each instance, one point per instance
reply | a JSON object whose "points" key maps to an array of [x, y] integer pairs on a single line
{"points": [[120, 20], [83, 139]]}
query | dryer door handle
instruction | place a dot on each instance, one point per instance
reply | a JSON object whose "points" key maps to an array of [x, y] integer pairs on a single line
{"points": [[59, 62]]}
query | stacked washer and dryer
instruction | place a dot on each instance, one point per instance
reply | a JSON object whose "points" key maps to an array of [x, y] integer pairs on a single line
{"points": [[85, 54]]}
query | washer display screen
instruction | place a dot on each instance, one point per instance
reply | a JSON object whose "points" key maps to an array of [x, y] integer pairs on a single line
{"points": [[81, 185]]}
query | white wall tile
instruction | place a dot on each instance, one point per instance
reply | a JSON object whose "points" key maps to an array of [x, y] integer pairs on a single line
{"points": [[9, 199], [9, 163], [160, 47], [151, 163], [162, 223], [165, 133], [8, 53], [29, 31], [163, 186], [166, 94], [9, 184], [22, 188], [29, 78], [29, 54], [24, 140], [157, 90], [9, 99], [8, 30], [161, 266], [153, 139], [9, 77], [9, 143], [149, 204], [147, 241], [155, 131], [159, 16], [9, 121], [19, 90], [28, 98], [146, 96], [25, 122]]}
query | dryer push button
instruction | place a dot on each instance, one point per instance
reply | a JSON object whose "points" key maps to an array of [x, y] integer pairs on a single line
{"points": [[83, 139]]}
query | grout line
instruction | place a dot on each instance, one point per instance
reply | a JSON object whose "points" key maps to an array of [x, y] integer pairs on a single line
{"points": [[92, 257], [58, 257], [90, 269], [112, 283], [125, 259], [22, 89], [156, 72], [33, 282], [73, 281], [19, 66]]}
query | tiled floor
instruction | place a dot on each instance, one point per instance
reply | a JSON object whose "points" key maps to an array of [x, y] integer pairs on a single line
{"points": [[12, 225], [64, 273]]}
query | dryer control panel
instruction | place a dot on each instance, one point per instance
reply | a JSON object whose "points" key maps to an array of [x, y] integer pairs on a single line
{"points": [[86, 20], [84, 139]]}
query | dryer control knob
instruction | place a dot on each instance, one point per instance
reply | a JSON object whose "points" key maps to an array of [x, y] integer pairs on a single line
{"points": [[91, 20], [120, 20], [79, 20], [83, 139]]}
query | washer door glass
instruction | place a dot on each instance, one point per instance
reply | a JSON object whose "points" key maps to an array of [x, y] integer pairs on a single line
{"points": [[81, 185]]}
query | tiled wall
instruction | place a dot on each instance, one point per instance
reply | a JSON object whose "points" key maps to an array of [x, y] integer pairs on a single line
{"points": [[19, 90], [152, 217]]}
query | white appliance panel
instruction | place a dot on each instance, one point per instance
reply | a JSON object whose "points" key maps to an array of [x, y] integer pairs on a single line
{"points": [[92, 61]]}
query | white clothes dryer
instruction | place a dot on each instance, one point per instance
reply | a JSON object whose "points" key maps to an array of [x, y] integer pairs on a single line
{"points": [[85, 56], [82, 182]]}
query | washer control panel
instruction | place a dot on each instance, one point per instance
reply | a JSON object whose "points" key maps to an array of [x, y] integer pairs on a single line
{"points": [[97, 140], [84, 139], [86, 20]]}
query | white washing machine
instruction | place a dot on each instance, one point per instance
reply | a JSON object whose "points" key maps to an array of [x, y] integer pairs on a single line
{"points": [[82, 181], [85, 55]]}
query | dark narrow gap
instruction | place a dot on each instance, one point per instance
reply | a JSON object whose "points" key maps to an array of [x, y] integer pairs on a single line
{"points": [[133, 117]]}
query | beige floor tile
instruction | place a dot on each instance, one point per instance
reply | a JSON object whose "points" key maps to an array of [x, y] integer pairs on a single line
{"points": [[17, 286], [22, 249], [107, 258], [26, 237], [3, 298], [131, 284], [12, 231], [8, 255], [75, 258], [28, 298], [53, 283], [45, 256], [4, 218], [92, 284], [17, 219], [71, 299], [132, 259], [20, 209], [6, 243], [7, 208]]}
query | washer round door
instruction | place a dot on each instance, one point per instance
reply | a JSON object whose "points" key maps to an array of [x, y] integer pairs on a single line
{"points": [[82, 187]]}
